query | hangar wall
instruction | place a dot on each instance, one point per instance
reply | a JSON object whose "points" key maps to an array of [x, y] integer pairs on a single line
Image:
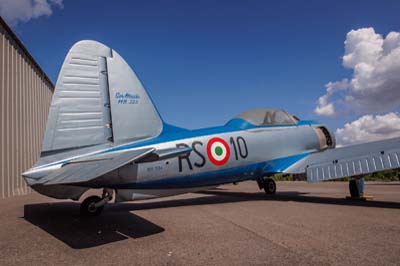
{"points": [[25, 97]]}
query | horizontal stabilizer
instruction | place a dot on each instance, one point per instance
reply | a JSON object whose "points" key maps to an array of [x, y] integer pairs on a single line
{"points": [[83, 170], [349, 161]]}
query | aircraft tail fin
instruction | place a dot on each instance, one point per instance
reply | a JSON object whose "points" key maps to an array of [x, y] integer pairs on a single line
{"points": [[98, 99]]}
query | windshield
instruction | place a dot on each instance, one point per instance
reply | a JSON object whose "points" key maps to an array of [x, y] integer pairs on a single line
{"points": [[267, 117]]}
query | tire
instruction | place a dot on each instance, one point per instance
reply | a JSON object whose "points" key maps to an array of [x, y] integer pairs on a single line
{"points": [[88, 209], [269, 186], [354, 192]]}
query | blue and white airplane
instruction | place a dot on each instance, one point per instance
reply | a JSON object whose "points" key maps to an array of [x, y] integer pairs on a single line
{"points": [[103, 132]]}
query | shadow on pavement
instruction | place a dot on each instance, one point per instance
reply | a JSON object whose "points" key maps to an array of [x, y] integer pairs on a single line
{"points": [[62, 221], [118, 223], [302, 197], [217, 196], [384, 184]]}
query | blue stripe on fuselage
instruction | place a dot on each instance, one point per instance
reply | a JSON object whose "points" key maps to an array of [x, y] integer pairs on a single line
{"points": [[235, 174], [214, 178]]}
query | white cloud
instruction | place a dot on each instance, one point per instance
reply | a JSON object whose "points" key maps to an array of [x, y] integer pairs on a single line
{"points": [[362, 46], [369, 128], [14, 11], [325, 108], [375, 82]]}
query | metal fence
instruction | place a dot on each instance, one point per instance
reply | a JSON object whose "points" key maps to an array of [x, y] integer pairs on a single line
{"points": [[25, 97]]}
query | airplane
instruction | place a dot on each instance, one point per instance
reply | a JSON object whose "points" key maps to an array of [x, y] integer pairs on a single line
{"points": [[104, 132]]}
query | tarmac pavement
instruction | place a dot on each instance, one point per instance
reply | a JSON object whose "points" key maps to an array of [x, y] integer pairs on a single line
{"points": [[303, 224]]}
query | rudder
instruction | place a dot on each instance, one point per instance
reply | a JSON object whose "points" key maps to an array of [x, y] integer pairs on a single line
{"points": [[98, 99]]}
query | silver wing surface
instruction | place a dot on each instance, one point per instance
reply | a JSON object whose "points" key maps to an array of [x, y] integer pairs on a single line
{"points": [[349, 161], [85, 169]]}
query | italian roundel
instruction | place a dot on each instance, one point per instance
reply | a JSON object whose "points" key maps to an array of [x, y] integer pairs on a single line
{"points": [[218, 151]]}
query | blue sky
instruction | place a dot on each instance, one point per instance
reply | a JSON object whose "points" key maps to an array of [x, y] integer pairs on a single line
{"points": [[206, 61]]}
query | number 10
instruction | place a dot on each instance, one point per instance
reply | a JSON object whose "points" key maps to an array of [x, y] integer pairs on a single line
{"points": [[241, 144]]}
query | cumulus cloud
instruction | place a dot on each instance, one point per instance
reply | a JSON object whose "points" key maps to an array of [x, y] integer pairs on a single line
{"points": [[375, 82], [14, 11], [325, 108], [369, 128]]}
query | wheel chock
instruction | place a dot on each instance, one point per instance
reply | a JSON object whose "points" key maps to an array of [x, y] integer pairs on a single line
{"points": [[361, 198]]}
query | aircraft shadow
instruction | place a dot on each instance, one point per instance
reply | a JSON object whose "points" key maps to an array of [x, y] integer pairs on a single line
{"points": [[117, 223], [220, 197], [303, 197], [385, 184], [62, 221]]}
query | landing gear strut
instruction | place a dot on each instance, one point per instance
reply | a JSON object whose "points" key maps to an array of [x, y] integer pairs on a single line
{"points": [[93, 205], [267, 184]]}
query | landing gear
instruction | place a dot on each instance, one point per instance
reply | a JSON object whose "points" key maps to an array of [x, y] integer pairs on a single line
{"points": [[93, 205], [268, 185], [356, 187]]}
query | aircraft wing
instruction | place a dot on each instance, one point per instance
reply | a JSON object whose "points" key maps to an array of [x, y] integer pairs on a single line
{"points": [[89, 167], [349, 161], [85, 169]]}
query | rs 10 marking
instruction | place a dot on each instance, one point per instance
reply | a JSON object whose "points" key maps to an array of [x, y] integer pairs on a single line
{"points": [[218, 152]]}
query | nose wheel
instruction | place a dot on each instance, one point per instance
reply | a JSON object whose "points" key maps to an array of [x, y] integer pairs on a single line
{"points": [[94, 205]]}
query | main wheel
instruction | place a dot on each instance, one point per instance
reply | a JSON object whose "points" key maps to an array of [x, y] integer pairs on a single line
{"points": [[269, 186], [354, 192], [88, 207]]}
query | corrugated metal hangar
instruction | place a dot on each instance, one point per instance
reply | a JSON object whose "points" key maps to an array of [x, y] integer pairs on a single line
{"points": [[25, 97]]}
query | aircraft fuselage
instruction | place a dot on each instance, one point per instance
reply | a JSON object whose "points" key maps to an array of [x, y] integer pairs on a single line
{"points": [[243, 155]]}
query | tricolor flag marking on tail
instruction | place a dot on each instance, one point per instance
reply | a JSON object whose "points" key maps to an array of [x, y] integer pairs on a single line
{"points": [[218, 151]]}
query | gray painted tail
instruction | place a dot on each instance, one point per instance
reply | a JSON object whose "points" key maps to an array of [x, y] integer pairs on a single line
{"points": [[98, 100]]}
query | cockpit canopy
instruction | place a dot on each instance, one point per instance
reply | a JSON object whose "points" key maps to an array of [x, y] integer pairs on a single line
{"points": [[267, 117]]}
